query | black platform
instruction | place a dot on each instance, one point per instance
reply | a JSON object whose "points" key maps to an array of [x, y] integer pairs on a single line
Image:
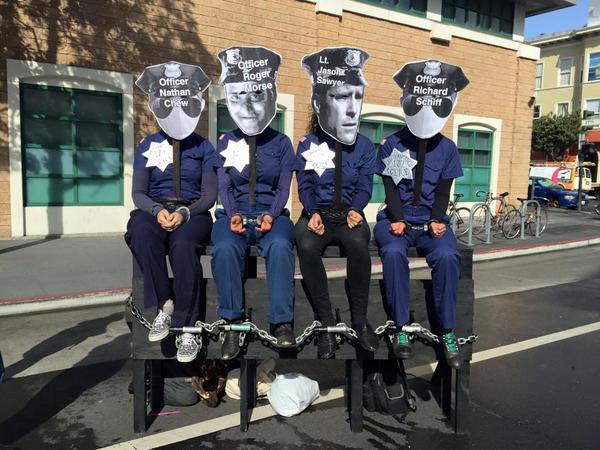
{"points": [[147, 356]]}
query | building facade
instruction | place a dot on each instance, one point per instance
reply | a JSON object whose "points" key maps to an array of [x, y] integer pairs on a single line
{"points": [[568, 80], [70, 117]]}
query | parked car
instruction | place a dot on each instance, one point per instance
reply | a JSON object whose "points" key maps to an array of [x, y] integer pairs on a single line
{"points": [[556, 194]]}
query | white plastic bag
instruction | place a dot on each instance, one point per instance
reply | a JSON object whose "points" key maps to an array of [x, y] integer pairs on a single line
{"points": [[292, 393]]}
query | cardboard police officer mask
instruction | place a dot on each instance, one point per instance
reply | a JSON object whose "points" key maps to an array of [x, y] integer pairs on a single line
{"points": [[249, 76], [175, 96], [338, 87], [429, 94]]}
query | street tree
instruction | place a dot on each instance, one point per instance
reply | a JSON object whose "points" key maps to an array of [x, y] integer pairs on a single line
{"points": [[555, 134]]}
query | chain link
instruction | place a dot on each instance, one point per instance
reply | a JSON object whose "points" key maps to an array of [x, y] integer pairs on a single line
{"points": [[414, 330]]}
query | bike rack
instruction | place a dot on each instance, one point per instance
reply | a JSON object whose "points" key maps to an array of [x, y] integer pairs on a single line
{"points": [[488, 224], [538, 217]]}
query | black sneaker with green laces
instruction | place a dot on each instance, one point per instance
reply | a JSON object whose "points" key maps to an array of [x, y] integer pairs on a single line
{"points": [[401, 345], [451, 350]]}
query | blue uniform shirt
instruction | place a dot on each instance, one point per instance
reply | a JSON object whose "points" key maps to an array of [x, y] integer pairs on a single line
{"points": [[358, 167], [274, 160], [442, 162], [197, 156]]}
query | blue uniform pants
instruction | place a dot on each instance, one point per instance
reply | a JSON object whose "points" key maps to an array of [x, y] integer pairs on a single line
{"points": [[441, 255], [150, 245], [228, 264]]}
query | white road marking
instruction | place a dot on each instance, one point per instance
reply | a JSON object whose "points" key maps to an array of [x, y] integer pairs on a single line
{"points": [[263, 412]]}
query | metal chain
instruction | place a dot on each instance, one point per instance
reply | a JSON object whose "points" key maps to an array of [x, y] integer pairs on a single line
{"points": [[414, 330]]}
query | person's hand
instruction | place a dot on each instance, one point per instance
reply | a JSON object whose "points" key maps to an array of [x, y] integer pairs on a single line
{"points": [[353, 219], [265, 224], [315, 224], [437, 229], [398, 228], [175, 220], [236, 224], [163, 218]]}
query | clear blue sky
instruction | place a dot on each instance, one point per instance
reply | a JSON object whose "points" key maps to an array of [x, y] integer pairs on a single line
{"points": [[561, 20]]}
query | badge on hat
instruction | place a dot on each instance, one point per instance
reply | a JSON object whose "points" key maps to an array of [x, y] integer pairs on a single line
{"points": [[175, 96], [429, 94], [338, 87], [249, 76]]}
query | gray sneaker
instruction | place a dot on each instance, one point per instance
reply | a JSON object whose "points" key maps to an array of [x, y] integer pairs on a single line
{"points": [[187, 347], [160, 327]]}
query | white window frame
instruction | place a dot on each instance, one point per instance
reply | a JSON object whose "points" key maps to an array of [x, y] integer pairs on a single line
{"points": [[588, 56], [59, 220], [559, 72], [539, 111], [285, 102], [540, 77], [562, 103], [592, 100]]}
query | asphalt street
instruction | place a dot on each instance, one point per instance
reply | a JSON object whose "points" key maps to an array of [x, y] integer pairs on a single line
{"points": [[531, 386]]}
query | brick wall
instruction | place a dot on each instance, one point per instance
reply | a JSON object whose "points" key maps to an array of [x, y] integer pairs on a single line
{"points": [[126, 36]]}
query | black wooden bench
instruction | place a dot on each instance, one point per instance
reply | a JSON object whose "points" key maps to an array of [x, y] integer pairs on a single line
{"points": [[451, 390]]}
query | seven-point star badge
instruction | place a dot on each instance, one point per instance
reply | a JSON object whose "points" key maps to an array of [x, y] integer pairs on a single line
{"points": [[399, 165], [160, 154], [237, 154], [319, 157]]}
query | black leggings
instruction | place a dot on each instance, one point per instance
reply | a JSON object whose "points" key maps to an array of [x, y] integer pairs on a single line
{"points": [[355, 241]]}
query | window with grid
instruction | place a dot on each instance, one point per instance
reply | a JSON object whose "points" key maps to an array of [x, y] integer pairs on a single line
{"points": [[539, 74], [537, 111], [411, 6], [475, 149], [489, 16], [593, 105], [594, 67], [562, 109], [376, 130], [564, 71], [72, 146]]}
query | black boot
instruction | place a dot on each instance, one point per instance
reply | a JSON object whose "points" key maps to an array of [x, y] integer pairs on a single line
{"points": [[231, 343], [451, 350], [401, 345], [367, 338], [284, 334], [326, 346]]}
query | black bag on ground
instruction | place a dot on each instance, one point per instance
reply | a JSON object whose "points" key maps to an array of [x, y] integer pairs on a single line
{"points": [[385, 389]]}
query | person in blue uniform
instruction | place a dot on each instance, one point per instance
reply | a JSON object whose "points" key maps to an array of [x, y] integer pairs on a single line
{"points": [[253, 210], [335, 168], [418, 172], [167, 224]]}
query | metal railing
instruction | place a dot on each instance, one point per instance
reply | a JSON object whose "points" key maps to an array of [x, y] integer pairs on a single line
{"points": [[487, 222], [524, 217]]}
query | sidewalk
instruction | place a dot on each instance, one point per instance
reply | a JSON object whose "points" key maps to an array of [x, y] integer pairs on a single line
{"points": [[51, 273]]}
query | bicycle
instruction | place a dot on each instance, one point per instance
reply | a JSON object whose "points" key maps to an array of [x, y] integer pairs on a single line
{"points": [[459, 217], [499, 210], [511, 227]]}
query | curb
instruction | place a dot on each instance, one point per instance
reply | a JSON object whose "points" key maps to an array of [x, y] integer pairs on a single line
{"points": [[13, 307]]}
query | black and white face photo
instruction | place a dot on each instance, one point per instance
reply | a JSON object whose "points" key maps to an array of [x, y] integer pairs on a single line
{"points": [[429, 94], [175, 96], [338, 110], [338, 89], [251, 108], [249, 78]]}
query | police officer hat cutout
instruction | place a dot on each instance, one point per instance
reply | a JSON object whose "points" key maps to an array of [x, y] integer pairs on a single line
{"points": [[336, 75], [429, 94], [249, 75], [175, 96]]}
